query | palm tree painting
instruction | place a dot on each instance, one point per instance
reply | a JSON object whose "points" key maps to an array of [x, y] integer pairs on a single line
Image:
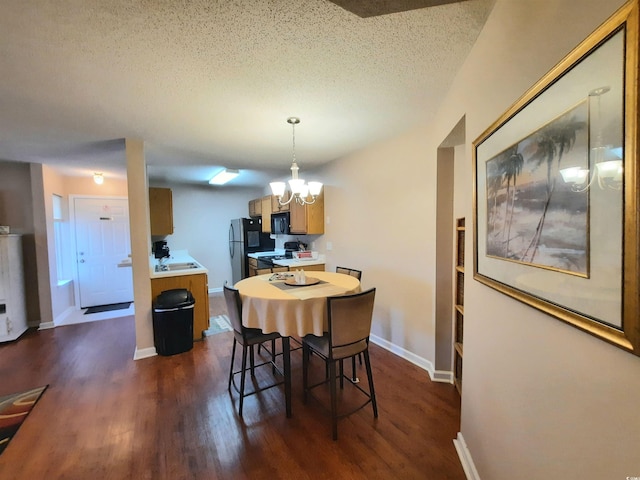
{"points": [[533, 217]]}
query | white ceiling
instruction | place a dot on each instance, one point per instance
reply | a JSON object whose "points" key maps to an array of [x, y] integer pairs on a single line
{"points": [[210, 83]]}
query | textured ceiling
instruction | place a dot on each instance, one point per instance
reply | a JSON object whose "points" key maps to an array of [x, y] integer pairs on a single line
{"points": [[209, 83], [373, 8]]}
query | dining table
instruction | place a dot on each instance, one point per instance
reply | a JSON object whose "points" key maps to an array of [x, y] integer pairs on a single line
{"points": [[275, 302]]}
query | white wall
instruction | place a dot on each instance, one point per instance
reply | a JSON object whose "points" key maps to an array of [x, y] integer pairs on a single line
{"points": [[380, 207], [541, 399]]}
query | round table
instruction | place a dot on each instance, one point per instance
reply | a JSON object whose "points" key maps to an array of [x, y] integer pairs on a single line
{"points": [[273, 306]]}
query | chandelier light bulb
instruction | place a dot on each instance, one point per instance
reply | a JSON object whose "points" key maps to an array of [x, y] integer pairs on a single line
{"points": [[299, 189]]}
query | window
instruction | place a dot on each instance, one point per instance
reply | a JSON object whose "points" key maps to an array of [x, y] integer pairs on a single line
{"points": [[60, 237]]}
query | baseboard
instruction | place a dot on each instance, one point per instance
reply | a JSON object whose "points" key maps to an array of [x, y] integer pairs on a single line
{"points": [[144, 353], [435, 376], [465, 458], [46, 325], [60, 318], [443, 376], [215, 290]]}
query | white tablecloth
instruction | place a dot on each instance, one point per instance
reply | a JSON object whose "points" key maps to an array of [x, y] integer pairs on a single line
{"points": [[292, 310]]}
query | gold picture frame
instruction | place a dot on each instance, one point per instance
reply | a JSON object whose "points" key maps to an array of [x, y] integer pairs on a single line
{"points": [[556, 189]]}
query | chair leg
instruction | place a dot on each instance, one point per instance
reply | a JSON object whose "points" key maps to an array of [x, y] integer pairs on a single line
{"points": [[286, 357], [372, 391], [233, 356], [355, 379], [334, 400], [242, 376], [305, 372], [252, 360], [273, 357], [341, 372]]}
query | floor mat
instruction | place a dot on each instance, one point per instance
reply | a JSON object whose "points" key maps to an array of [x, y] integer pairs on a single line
{"points": [[218, 324], [14, 410], [107, 308]]}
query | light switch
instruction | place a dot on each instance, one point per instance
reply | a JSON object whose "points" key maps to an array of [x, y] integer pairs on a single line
{"points": [[329, 246]]}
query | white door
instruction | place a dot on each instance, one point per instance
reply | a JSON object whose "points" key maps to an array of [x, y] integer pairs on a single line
{"points": [[103, 242]]}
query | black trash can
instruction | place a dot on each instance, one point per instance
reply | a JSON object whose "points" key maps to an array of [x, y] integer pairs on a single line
{"points": [[173, 321]]}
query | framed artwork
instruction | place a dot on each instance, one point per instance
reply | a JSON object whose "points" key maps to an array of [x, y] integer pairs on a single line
{"points": [[556, 189]]}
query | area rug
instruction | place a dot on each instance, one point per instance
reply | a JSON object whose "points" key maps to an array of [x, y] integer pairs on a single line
{"points": [[107, 308], [14, 410], [218, 324]]}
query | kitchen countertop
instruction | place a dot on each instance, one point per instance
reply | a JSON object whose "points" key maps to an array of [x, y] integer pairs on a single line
{"points": [[177, 256], [289, 262]]}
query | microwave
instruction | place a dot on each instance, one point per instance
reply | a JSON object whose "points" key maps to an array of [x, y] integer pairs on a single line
{"points": [[280, 223]]}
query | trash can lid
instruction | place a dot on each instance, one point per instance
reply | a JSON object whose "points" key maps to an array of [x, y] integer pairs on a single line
{"points": [[176, 298]]}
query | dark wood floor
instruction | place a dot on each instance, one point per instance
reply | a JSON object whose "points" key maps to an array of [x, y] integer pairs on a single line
{"points": [[106, 416]]}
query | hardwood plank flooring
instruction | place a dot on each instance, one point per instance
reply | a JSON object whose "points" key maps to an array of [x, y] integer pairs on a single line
{"points": [[106, 416]]}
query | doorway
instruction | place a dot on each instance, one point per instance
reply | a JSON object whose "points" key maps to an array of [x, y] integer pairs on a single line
{"points": [[102, 251], [451, 154]]}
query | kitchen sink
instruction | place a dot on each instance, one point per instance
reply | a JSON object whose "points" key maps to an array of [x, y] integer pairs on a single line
{"points": [[171, 267]]}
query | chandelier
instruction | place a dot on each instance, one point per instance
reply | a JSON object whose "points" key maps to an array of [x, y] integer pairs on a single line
{"points": [[607, 169], [299, 189]]}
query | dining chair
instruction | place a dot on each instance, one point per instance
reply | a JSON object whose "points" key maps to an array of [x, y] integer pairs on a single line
{"points": [[247, 338], [349, 321], [350, 271], [358, 274]]}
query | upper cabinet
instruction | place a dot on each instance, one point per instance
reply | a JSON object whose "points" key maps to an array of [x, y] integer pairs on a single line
{"points": [[255, 208], [308, 219], [266, 214], [305, 219], [161, 211], [275, 204]]}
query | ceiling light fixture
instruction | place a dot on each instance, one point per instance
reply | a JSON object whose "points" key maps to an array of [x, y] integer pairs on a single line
{"points": [[606, 160], [98, 178], [299, 189], [224, 176]]}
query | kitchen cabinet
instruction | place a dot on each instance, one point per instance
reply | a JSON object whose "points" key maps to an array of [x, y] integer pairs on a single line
{"points": [[199, 286], [13, 310], [266, 214], [253, 267], [161, 211], [255, 207], [308, 219], [318, 267], [275, 204]]}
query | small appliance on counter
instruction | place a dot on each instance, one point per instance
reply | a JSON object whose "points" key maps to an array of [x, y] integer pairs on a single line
{"points": [[290, 247], [161, 250]]}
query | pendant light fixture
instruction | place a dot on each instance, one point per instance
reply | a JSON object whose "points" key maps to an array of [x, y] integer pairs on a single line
{"points": [[299, 189]]}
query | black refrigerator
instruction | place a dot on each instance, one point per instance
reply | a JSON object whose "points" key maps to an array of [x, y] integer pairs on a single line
{"points": [[245, 236]]}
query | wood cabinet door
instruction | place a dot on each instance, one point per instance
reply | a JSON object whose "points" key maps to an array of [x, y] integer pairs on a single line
{"points": [[198, 285], [275, 204], [161, 211], [266, 214], [314, 268], [298, 217], [308, 219]]}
